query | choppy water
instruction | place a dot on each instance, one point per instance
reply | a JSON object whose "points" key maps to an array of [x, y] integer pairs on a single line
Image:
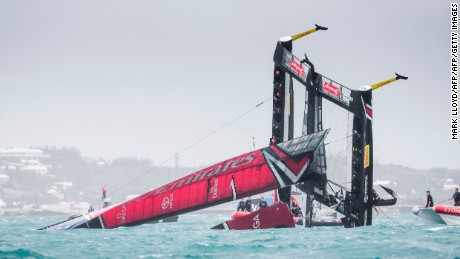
{"points": [[192, 237]]}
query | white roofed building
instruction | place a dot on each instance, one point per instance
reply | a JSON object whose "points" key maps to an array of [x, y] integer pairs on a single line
{"points": [[23, 160], [22, 153]]}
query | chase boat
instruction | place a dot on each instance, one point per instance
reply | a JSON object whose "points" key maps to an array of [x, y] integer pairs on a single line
{"points": [[439, 214]]}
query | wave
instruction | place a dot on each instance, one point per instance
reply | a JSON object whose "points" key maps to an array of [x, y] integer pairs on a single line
{"points": [[21, 253]]}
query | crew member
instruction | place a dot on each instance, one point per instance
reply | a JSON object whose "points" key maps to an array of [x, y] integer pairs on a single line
{"points": [[248, 205], [90, 209], [241, 205], [104, 192], [295, 209], [456, 197], [429, 200], [262, 203]]}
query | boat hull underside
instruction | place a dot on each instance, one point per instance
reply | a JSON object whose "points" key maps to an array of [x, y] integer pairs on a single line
{"points": [[439, 214]]}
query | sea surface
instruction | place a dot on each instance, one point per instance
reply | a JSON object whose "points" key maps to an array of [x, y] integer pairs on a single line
{"points": [[391, 236]]}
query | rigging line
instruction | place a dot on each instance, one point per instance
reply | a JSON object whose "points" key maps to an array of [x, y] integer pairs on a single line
{"points": [[331, 189], [442, 202], [338, 140], [389, 217], [342, 151], [406, 224], [188, 147], [416, 218], [337, 184], [223, 126], [403, 225]]}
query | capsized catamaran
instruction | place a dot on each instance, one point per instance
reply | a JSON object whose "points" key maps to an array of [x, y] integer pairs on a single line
{"points": [[288, 161], [266, 169]]}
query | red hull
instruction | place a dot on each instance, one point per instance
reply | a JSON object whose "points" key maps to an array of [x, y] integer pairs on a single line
{"points": [[450, 210], [275, 216]]}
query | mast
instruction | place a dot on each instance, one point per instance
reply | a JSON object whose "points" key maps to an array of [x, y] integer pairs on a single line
{"points": [[355, 204], [283, 102]]}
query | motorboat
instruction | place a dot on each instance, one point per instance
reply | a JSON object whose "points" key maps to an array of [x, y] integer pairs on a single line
{"points": [[439, 214]]}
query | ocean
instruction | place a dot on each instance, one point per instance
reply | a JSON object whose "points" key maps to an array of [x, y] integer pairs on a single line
{"points": [[391, 236]]}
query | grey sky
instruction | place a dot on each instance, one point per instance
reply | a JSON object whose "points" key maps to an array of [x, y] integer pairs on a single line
{"points": [[147, 78]]}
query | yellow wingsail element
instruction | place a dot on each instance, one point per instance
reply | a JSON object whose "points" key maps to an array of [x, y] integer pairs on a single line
{"points": [[391, 80], [305, 33]]}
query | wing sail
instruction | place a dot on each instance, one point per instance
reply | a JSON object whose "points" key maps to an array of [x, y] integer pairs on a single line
{"points": [[256, 172]]}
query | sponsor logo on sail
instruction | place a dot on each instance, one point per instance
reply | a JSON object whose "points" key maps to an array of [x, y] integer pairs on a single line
{"points": [[366, 198], [366, 156], [331, 89], [171, 199], [207, 173], [213, 190], [296, 67], [122, 215], [365, 217]]}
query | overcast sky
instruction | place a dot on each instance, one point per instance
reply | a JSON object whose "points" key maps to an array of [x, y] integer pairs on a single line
{"points": [[148, 78]]}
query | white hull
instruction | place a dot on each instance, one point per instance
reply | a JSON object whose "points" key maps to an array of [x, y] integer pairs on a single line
{"points": [[428, 216], [439, 214]]}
